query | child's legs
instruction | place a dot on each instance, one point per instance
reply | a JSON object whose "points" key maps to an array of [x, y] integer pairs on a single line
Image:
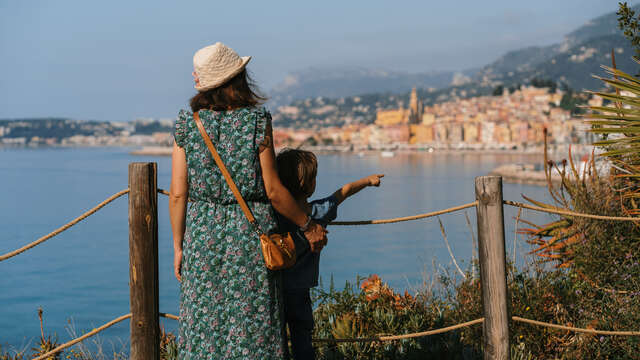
{"points": [[299, 316]]}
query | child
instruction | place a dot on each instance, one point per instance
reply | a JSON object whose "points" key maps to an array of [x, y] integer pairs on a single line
{"points": [[297, 170]]}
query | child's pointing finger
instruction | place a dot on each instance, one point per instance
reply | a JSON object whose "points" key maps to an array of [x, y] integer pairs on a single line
{"points": [[374, 180]]}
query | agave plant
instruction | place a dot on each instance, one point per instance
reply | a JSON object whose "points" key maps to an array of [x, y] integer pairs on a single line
{"points": [[553, 240], [596, 250], [620, 126]]}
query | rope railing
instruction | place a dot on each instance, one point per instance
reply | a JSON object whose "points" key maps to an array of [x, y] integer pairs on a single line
{"points": [[405, 336], [64, 227], [83, 337], [575, 329], [406, 218], [383, 338], [343, 223], [569, 213], [387, 221], [165, 192], [472, 204], [368, 339], [459, 326], [169, 316]]}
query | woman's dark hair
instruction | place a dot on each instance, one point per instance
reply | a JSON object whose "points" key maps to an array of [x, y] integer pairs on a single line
{"points": [[236, 93], [297, 170]]}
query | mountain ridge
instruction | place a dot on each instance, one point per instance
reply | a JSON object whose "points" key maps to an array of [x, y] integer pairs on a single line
{"points": [[348, 81], [517, 66]]}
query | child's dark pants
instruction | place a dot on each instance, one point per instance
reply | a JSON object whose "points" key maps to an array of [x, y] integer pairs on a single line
{"points": [[299, 316]]}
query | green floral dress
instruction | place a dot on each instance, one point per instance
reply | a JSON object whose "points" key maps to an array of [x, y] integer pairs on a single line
{"points": [[229, 301]]}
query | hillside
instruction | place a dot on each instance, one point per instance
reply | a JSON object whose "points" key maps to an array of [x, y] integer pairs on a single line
{"points": [[327, 98], [340, 82], [571, 61], [572, 65], [603, 25]]}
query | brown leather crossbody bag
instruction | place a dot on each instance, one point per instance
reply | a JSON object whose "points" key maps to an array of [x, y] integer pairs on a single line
{"points": [[278, 249]]}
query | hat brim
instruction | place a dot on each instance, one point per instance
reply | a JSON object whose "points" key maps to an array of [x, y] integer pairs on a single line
{"points": [[220, 82]]}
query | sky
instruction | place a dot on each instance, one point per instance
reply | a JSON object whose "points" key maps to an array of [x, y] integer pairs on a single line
{"points": [[121, 60]]}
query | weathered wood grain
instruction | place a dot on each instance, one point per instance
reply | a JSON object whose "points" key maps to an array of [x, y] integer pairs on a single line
{"points": [[493, 276], [143, 261]]}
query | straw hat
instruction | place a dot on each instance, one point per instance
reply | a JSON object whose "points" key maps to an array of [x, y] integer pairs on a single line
{"points": [[216, 64]]}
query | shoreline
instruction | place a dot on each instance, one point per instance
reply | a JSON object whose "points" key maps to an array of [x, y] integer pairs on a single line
{"points": [[391, 151], [525, 174]]}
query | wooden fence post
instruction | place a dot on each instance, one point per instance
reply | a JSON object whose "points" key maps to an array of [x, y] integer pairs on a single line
{"points": [[493, 275], [143, 261]]}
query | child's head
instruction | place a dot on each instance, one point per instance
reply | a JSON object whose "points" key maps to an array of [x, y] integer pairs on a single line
{"points": [[297, 170]]}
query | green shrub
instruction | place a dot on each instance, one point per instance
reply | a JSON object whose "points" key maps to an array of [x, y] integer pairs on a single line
{"points": [[376, 310]]}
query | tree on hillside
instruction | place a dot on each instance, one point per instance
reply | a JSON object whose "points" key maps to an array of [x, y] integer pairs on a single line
{"points": [[629, 24], [544, 83]]}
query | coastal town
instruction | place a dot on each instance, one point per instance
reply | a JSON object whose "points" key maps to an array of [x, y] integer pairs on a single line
{"points": [[72, 133], [514, 120], [510, 121]]}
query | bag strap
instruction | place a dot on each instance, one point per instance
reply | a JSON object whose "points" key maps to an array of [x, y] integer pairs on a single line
{"points": [[223, 169]]}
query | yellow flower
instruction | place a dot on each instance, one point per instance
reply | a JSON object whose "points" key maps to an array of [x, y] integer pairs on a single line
{"points": [[527, 308]]}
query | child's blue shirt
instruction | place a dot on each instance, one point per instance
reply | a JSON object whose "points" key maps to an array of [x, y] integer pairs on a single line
{"points": [[304, 274]]}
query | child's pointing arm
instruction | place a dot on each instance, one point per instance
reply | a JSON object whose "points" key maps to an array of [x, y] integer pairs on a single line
{"points": [[352, 188]]}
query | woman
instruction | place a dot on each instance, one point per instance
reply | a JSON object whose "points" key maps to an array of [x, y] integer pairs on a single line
{"points": [[229, 302]]}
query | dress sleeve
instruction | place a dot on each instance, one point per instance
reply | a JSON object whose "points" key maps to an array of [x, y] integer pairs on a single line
{"points": [[263, 124], [180, 128]]}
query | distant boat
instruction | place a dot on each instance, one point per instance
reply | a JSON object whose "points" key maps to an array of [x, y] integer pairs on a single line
{"points": [[387, 154]]}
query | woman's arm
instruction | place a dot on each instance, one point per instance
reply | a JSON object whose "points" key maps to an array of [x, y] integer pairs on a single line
{"points": [[352, 188], [178, 196], [281, 198]]}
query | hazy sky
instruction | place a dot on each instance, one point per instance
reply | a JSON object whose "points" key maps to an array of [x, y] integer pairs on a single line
{"points": [[118, 60]]}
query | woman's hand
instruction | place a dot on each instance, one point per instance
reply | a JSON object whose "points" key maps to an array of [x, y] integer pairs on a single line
{"points": [[374, 180], [177, 263], [317, 236]]}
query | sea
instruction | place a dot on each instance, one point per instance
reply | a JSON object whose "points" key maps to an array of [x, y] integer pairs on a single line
{"points": [[80, 277]]}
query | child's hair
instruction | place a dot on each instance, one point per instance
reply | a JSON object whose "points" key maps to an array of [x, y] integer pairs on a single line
{"points": [[297, 170]]}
